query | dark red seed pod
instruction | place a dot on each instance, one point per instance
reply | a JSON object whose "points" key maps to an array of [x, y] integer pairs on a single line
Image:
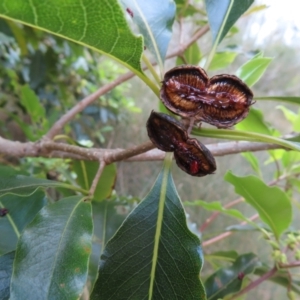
{"points": [[232, 100], [183, 88], [165, 132], [222, 101], [3, 212], [194, 158]]}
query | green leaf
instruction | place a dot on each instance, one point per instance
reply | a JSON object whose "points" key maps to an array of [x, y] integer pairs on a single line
{"points": [[192, 55], [289, 114], [53, 252], [21, 211], [153, 255], [223, 14], [217, 259], [86, 171], [216, 206], [25, 186], [36, 111], [255, 123], [107, 219], [253, 70], [6, 266], [226, 280], [101, 26], [272, 204], [293, 100], [252, 159], [221, 60], [32, 104], [240, 135], [154, 20]]}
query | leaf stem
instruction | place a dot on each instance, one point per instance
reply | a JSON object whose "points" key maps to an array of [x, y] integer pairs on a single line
{"points": [[161, 206], [255, 283], [240, 135], [216, 42], [102, 165], [151, 69]]}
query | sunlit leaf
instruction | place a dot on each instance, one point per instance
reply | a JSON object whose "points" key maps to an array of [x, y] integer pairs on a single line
{"points": [[153, 255], [272, 204], [101, 26], [252, 159], [192, 55], [228, 280], [52, 255], [255, 123], [253, 70], [289, 114], [221, 60], [216, 206], [223, 14], [86, 171]]}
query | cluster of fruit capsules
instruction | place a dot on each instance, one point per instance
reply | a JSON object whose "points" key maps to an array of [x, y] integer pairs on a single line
{"points": [[169, 135], [222, 101]]}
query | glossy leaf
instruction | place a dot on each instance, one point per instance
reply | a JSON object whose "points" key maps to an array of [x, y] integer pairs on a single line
{"points": [[21, 211], [254, 122], [216, 206], [223, 14], [101, 26], [272, 204], [240, 135], [107, 218], [192, 55], [253, 70], [154, 20], [227, 280], [153, 255], [289, 114], [294, 118], [222, 60], [52, 255], [6, 266], [252, 159], [25, 186], [86, 171]]}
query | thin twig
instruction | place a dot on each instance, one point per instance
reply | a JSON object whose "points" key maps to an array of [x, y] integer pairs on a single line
{"points": [[226, 234], [255, 283], [137, 153], [96, 178], [295, 264], [81, 105], [217, 213]]}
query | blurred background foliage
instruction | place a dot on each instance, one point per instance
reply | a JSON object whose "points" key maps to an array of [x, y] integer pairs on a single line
{"points": [[56, 74]]}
